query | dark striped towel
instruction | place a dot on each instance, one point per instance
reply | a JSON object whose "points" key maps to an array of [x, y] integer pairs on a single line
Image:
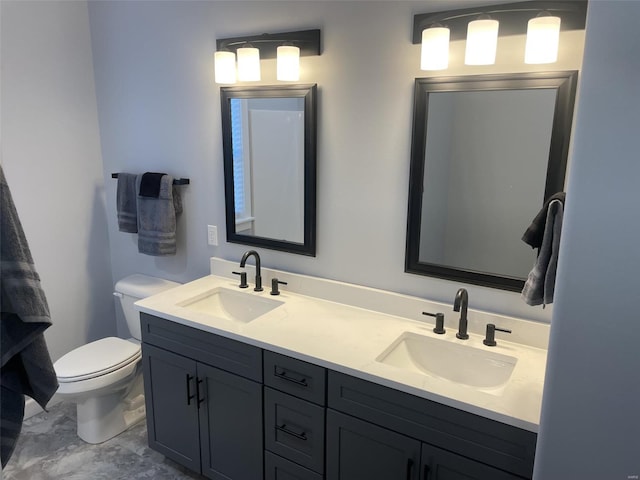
{"points": [[26, 364]]}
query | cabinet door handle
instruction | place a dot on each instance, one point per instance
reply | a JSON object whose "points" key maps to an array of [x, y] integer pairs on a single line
{"points": [[409, 468], [426, 472], [189, 396], [200, 400], [283, 375], [283, 428]]}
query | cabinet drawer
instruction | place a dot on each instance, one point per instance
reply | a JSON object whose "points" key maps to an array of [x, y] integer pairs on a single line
{"points": [[294, 429], [278, 468], [487, 441], [295, 377], [224, 353]]}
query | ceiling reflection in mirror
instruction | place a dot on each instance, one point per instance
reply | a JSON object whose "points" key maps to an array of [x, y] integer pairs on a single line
{"points": [[269, 158], [487, 151]]}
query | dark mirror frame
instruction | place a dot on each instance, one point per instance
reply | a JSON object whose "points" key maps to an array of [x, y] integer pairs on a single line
{"points": [[565, 82], [309, 93]]}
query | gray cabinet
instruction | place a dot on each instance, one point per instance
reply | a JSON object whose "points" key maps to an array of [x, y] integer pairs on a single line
{"points": [[438, 464], [172, 410], [203, 417], [235, 412], [476, 444], [230, 425], [357, 450]]}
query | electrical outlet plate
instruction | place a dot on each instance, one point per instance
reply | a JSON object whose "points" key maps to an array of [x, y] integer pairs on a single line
{"points": [[212, 235]]}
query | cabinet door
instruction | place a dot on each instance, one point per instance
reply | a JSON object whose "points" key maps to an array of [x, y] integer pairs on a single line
{"points": [[172, 410], [230, 425], [357, 450], [438, 464]]}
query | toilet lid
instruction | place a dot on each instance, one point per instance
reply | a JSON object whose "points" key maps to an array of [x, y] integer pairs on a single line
{"points": [[96, 358]]}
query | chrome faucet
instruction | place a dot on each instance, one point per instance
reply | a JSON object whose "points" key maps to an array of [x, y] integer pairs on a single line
{"points": [[246, 255], [460, 305]]}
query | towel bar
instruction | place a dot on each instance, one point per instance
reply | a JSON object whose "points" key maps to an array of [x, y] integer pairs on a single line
{"points": [[177, 181]]}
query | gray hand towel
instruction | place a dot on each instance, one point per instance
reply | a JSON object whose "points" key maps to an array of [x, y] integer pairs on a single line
{"points": [[157, 219], [540, 285], [26, 365], [126, 203]]}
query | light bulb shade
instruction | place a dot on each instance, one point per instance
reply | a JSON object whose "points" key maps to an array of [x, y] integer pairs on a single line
{"points": [[225, 67], [482, 42], [435, 48], [543, 37], [288, 63], [248, 64]]}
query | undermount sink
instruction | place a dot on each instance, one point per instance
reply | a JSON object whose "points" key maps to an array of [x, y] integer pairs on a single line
{"points": [[455, 362], [231, 305]]}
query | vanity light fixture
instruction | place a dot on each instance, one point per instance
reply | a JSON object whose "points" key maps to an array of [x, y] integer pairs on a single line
{"points": [[248, 63], [435, 48], [482, 41], [479, 26], [225, 67], [288, 63], [543, 38], [287, 47]]}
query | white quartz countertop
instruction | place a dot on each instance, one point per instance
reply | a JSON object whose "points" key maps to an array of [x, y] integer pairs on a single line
{"points": [[348, 339]]}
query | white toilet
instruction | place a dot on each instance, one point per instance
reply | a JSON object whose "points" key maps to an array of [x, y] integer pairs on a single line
{"points": [[104, 378]]}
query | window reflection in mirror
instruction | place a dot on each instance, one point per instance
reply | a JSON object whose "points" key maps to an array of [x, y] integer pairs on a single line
{"points": [[269, 158], [487, 150]]}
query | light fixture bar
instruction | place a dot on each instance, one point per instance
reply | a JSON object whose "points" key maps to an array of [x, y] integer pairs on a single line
{"points": [[307, 40], [513, 17]]}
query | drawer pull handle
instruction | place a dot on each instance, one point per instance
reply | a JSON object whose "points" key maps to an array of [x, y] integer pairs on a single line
{"points": [[427, 471], [283, 375], [283, 428], [189, 396], [409, 469]]}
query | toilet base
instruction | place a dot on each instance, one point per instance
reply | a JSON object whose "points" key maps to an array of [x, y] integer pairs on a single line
{"points": [[103, 417]]}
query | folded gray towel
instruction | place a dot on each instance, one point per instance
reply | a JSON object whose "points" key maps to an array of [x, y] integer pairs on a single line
{"points": [[26, 365], [541, 282], [126, 203], [157, 219]]}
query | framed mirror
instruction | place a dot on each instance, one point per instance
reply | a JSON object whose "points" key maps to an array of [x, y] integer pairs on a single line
{"points": [[269, 146], [487, 150]]}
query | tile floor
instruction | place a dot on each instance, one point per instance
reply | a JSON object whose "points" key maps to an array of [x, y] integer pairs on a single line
{"points": [[49, 449]]}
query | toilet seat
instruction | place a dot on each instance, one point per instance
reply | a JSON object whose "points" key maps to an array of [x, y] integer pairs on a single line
{"points": [[96, 359]]}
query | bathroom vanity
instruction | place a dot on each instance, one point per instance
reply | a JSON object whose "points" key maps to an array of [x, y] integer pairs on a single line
{"points": [[243, 385]]}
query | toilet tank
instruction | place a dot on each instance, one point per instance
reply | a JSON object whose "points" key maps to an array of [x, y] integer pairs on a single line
{"points": [[133, 288]]}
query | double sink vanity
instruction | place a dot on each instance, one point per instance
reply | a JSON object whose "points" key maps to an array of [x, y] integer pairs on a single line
{"points": [[336, 381]]}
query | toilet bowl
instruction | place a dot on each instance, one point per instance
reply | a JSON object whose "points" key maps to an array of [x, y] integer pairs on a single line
{"points": [[104, 378]]}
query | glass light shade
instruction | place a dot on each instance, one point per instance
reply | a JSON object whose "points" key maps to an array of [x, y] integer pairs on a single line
{"points": [[248, 64], [288, 63], [225, 67], [435, 49], [482, 42], [543, 37]]}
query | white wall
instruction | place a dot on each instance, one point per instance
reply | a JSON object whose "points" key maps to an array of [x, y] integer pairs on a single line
{"points": [[51, 158], [590, 425], [159, 109]]}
